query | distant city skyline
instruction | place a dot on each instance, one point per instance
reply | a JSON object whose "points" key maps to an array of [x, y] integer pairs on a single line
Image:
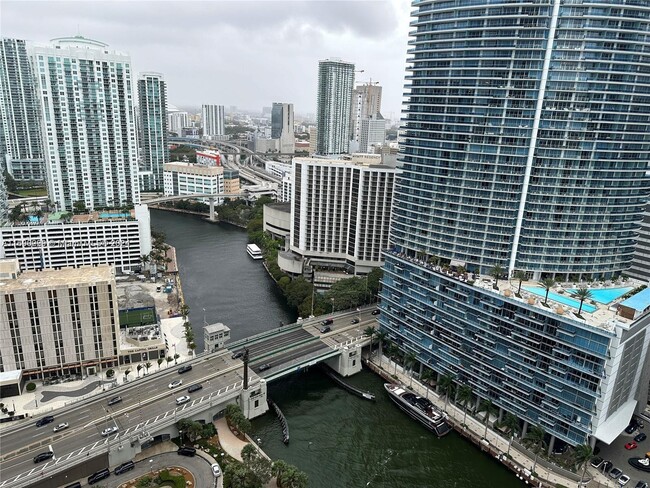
{"points": [[244, 54]]}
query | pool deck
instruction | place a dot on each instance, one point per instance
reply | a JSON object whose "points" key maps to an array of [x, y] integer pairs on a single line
{"points": [[604, 317]]}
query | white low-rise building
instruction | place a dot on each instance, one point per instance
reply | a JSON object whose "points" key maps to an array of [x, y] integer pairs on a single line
{"points": [[60, 240], [191, 179]]}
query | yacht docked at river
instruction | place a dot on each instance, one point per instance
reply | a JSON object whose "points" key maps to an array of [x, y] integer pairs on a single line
{"points": [[418, 408], [254, 251]]}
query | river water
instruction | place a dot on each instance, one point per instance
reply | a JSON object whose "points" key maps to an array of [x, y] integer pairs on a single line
{"points": [[338, 439]]}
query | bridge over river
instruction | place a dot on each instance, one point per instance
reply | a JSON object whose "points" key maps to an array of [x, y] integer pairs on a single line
{"points": [[148, 411]]}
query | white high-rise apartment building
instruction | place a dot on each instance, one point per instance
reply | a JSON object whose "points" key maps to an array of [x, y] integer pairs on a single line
{"points": [[282, 127], [152, 108], [335, 84], [176, 121], [86, 96], [213, 120], [21, 150], [366, 103], [372, 133], [340, 210], [191, 179]]}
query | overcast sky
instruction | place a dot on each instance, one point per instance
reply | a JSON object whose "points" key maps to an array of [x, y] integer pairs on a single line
{"points": [[243, 53]]}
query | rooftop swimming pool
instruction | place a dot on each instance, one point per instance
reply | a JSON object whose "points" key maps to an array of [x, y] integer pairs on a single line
{"points": [[606, 295], [565, 300]]}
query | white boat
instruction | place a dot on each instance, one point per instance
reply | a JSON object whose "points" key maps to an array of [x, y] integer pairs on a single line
{"points": [[254, 251], [419, 409]]}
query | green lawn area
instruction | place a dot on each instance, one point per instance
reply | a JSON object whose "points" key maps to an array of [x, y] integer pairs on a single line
{"points": [[33, 192]]}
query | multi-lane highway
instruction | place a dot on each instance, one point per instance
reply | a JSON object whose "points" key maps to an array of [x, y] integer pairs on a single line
{"points": [[142, 399]]}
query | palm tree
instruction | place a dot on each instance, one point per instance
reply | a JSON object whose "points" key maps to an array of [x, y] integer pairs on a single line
{"points": [[511, 422], [392, 352], [184, 309], [521, 276], [446, 384], [160, 361], [427, 376], [535, 438], [139, 368], [409, 361], [126, 374], [583, 454], [381, 337], [465, 396], [547, 284], [176, 356], [169, 359], [582, 294], [147, 365], [192, 346], [278, 469], [496, 272], [489, 408]]}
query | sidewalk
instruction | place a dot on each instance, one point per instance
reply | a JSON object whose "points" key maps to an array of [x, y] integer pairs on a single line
{"points": [[229, 442], [475, 428]]}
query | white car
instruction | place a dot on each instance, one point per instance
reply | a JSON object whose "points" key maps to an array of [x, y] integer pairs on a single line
{"points": [[216, 470], [623, 479], [175, 383], [60, 427], [109, 430], [183, 399]]}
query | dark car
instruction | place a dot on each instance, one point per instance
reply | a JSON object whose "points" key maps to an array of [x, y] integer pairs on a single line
{"points": [[327, 322], [114, 400], [375, 312], [641, 484], [186, 451], [615, 473], [185, 369], [44, 456], [264, 367], [237, 355], [45, 420], [596, 461], [98, 476], [607, 465], [124, 467], [354, 321], [194, 388], [640, 437], [630, 428], [325, 328]]}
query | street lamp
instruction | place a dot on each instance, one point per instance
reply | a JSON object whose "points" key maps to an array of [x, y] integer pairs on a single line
{"points": [[151, 466], [332, 305]]}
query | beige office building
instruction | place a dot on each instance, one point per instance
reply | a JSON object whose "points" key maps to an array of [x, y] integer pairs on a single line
{"points": [[57, 321]]}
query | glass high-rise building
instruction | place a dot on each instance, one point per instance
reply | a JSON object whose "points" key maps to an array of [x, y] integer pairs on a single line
{"points": [[21, 149], [152, 108], [86, 95], [526, 145], [335, 85]]}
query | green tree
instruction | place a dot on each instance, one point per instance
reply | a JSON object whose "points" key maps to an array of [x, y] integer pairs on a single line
{"points": [[369, 332], [126, 374], [381, 337], [10, 182], [278, 468], [490, 409], [519, 276], [16, 214], [465, 397], [184, 310], [139, 368], [160, 361], [373, 282], [582, 294], [535, 438], [447, 386], [176, 356], [427, 376], [583, 453], [393, 351], [147, 365], [409, 361], [547, 284], [169, 359], [496, 272], [511, 423], [347, 293], [259, 467], [79, 206], [297, 290]]}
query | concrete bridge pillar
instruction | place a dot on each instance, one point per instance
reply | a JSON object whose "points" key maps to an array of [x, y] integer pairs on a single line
{"points": [[123, 450], [253, 400], [348, 362], [212, 209]]}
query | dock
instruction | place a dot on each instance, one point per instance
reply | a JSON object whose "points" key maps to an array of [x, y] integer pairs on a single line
{"points": [[283, 421]]}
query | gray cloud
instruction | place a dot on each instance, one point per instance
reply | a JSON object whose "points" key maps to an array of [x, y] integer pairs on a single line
{"points": [[240, 53]]}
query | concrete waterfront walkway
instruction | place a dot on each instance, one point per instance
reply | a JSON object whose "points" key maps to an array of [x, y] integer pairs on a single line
{"points": [[229, 441], [493, 442]]}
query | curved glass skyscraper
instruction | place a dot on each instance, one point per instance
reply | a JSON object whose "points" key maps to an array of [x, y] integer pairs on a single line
{"points": [[525, 145], [526, 141]]}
